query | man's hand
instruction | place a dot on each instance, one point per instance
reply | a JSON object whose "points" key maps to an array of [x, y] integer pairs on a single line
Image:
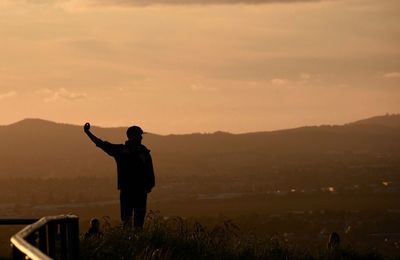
{"points": [[86, 127], [92, 137]]}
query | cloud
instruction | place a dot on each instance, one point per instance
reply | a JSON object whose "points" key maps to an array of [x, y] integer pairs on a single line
{"points": [[60, 93], [279, 81], [201, 87], [305, 76], [8, 94], [392, 75]]}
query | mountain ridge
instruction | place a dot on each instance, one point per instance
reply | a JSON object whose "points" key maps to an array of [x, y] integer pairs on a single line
{"points": [[387, 120], [390, 120]]}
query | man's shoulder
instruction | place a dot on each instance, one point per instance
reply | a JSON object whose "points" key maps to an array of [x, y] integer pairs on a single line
{"points": [[141, 148], [110, 146], [144, 148]]}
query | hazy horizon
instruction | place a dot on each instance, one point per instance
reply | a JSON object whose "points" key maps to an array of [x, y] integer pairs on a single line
{"points": [[199, 66]]}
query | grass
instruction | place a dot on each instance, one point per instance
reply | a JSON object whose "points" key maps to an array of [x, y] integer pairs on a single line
{"points": [[177, 238]]}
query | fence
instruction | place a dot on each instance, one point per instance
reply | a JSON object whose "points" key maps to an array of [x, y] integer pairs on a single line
{"points": [[52, 237]]}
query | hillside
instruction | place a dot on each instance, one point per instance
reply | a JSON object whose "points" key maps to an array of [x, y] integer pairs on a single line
{"points": [[38, 148], [389, 120]]}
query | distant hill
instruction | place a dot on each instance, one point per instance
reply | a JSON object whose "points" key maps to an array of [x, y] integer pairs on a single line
{"points": [[39, 148], [385, 120]]}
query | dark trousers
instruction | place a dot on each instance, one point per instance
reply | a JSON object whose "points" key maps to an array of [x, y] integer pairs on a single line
{"points": [[133, 202]]}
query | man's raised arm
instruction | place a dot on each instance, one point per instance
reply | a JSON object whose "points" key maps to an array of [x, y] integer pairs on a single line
{"points": [[109, 148], [86, 129]]}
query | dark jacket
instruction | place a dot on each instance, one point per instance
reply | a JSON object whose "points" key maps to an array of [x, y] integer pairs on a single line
{"points": [[134, 165]]}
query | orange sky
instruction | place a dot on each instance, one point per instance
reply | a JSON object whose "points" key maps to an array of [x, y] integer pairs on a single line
{"points": [[199, 67]]}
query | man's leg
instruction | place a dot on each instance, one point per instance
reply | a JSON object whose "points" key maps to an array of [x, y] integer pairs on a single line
{"points": [[126, 208], [139, 216], [140, 209]]}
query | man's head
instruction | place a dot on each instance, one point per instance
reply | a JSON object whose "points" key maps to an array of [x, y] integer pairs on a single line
{"points": [[95, 223], [134, 134]]}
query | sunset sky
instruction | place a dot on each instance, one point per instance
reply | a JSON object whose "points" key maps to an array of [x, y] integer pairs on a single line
{"points": [[175, 66]]}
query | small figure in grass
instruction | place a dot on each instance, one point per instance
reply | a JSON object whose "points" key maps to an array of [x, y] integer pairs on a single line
{"points": [[94, 230]]}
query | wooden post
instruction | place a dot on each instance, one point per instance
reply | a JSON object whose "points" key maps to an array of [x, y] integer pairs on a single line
{"points": [[32, 239], [51, 238], [63, 240], [73, 236], [43, 239]]}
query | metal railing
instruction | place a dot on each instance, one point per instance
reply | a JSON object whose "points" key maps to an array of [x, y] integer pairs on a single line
{"points": [[17, 221], [52, 237]]}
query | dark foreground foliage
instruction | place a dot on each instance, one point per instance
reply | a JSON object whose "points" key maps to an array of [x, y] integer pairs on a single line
{"points": [[176, 238]]}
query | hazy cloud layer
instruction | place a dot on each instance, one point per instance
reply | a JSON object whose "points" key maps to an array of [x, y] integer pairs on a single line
{"points": [[8, 94], [54, 95], [279, 81], [167, 2], [201, 87], [189, 2], [392, 75]]}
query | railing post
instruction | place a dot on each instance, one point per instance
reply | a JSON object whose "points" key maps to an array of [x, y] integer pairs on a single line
{"points": [[32, 239], [43, 239], [73, 237], [63, 240], [51, 238]]}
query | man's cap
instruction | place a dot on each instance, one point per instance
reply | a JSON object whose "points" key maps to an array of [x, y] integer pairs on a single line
{"points": [[134, 130]]}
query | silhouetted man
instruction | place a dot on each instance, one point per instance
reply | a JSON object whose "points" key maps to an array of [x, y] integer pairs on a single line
{"points": [[135, 173]]}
